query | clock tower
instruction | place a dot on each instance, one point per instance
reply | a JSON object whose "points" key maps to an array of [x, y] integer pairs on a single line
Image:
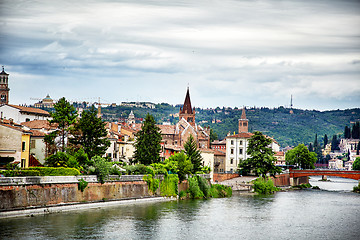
{"points": [[4, 87]]}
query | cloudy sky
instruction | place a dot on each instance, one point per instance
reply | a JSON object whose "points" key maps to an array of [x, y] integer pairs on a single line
{"points": [[230, 53]]}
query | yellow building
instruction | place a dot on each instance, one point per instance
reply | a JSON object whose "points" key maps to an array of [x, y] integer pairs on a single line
{"points": [[25, 149]]}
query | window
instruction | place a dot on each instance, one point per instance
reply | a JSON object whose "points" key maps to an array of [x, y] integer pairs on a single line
{"points": [[240, 151], [231, 161], [232, 142], [23, 161], [23, 147], [244, 124], [241, 143], [231, 151], [27, 120]]}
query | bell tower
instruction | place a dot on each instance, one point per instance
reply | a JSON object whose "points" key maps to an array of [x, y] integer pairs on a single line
{"points": [[4, 87], [243, 122], [186, 111]]}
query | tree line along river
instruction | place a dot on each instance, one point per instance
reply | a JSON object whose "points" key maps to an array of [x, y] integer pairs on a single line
{"points": [[330, 213]]}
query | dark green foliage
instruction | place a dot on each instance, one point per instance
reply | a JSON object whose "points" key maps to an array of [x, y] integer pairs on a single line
{"points": [[184, 165], [60, 159], [204, 186], [347, 132], [102, 168], [302, 186], [169, 186], [194, 189], [193, 154], [311, 149], [358, 148], [64, 115], [301, 156], [261, 160], [56, 171], [182, 194], [357, 188], [335, 143], [355, 131], [153, 183], [325, 140], [264, 185], [90, 134], [356, 164], [20, 173], [139, 169], [288, 129], [213, 135], [317, 150], [147, 144], [220, 191], [82, 184]]}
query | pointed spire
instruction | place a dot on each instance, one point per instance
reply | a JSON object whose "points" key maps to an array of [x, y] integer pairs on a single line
{"points": [[187, 103], [243, 115]]}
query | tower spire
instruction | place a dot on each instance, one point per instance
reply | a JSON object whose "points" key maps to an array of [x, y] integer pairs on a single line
{"points": [[243, 122], [187, 112]]}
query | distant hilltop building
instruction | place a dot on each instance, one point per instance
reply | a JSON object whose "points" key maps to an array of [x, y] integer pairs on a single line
{"points": [[4, 87], [139, 104], [47, 102]]}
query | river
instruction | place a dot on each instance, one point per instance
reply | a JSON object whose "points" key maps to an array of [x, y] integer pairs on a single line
{"points": [[306, 214]]}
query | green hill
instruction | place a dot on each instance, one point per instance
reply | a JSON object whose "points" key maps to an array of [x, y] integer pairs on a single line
{"points": [[288, 129]]}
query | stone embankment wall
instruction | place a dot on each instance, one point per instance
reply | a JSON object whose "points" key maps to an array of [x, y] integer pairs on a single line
{"points": [[281, 180], [27, 192]]}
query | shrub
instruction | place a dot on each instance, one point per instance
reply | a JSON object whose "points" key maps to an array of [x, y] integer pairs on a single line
{"points": [[169, 186], [153, 183], [60, 159], [139, 169], [204, 186], [20, 173], [218, 191], [56, 171], [102, 168], [264, 186], [182, 194], [194, 189], [356, 189], [82, 185]]}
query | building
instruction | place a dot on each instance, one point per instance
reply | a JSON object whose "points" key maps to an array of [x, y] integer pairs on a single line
{"points": [[218, 145], [14, 143], [336, 164], [47, 102], [19, 114], [280, 158], [219, 161], [4, 87], [237, 144]]}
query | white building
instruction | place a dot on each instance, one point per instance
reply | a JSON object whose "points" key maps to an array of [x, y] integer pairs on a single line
{"points": [[19, 114]]}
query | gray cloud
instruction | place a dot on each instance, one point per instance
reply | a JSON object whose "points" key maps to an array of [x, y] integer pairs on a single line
{"points": [[232, 53]]}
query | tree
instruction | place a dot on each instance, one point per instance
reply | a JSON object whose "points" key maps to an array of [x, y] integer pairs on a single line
{"points": [[64, 115], [184, 165], [347, 132], [261, 159], [334, 143], [90, 134], [301, 156], [147, 145], [358, 148], [213, 135], [311, 149], [355, 132], [325, 140], [317, 149], [356, 164], [193, 153]]}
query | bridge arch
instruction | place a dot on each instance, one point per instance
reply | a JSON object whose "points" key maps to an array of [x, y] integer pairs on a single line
{"points": [[305, 173]]}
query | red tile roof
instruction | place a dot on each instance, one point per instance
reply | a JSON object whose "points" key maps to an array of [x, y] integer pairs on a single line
{"points": [[31, 110], [40, 124], [167, 129]]}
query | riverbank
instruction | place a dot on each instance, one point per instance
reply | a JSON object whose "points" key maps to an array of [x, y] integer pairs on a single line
{"points": [[66, 207]]}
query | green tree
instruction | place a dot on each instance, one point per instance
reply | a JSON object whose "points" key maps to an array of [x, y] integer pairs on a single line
{"points": [[301, 156], [193, 153], [65, 115], [90, 134], [356, 164], [325, 140], [147, 145], [334, 143], [213, 135], [184, 165], [358, 148], [347, 132], [261, 159]]}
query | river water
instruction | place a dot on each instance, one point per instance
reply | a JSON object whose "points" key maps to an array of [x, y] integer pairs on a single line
{"points": [[306, 214]]}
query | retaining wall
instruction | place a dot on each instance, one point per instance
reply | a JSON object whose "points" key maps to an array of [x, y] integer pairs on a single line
{"points": [[219, 177]]}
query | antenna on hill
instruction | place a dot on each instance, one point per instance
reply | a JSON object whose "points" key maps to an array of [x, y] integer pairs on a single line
{"points": [[291, 106]]}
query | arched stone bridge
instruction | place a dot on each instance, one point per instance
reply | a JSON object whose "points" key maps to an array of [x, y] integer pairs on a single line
{"points": [[305, 173]]}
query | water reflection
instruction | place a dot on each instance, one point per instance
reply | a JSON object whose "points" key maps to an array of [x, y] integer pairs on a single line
{"points": [[305, 214]]}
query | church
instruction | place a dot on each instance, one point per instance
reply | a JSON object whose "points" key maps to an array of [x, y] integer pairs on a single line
{"points": [[175, 136]]}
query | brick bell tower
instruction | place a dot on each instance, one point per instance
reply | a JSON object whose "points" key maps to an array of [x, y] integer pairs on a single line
{"points": [[186, 111], [4, 87], [243, 122]]}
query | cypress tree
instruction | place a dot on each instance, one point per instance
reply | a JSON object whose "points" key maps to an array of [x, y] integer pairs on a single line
{"points": [[193, 153], [325, 140], [358, 148], [311, 149], [147, 145]]}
